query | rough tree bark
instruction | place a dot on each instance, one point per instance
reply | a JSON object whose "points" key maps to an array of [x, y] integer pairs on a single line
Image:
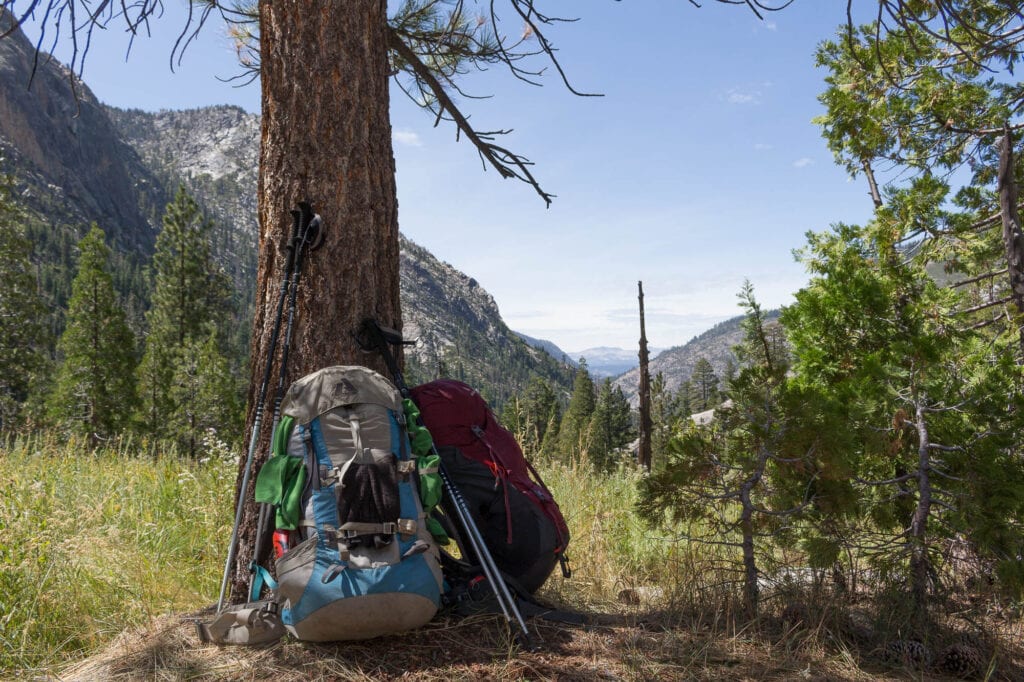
{"points": [[326, 138], [1013, 239], [644, 453], [920, 561]]}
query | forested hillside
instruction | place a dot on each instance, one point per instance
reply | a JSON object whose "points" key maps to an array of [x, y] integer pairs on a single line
{"points": [[120, 169]]}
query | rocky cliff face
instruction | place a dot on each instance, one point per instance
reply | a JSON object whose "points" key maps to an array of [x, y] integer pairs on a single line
{"points": [[438, 300], [214, 153], [70, 159], [120, 167], [460, 333]]}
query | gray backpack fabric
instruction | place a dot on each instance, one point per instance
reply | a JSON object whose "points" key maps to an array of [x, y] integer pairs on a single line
{"points": [[344, 479]]}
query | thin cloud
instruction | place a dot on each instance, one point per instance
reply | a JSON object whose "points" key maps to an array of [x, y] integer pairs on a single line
{"points": [[803, 162], [737, 96], [771, 25], [762, 147], [407, 137]]}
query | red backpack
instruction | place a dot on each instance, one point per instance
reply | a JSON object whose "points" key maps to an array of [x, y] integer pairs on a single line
{"points": [[518, 518]]}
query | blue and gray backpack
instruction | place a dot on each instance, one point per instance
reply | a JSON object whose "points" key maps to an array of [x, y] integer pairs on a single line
{"points": [[357, 559]]}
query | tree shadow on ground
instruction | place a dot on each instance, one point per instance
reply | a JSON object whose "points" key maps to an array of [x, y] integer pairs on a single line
{"points": [[648, 645]]}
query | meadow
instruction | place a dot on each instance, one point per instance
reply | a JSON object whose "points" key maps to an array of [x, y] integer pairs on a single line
{"points": [[106, 553]]}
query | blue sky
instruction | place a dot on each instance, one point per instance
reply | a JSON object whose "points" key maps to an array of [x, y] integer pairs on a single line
{"points": [[698, 168]]}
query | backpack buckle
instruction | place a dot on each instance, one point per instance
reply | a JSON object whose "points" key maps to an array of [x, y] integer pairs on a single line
{"points": [[407, 528], [563, 561]]}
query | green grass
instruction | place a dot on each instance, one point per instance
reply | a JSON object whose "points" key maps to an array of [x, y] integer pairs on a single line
{"points": [[92, 542], [97, 541], [610, 549]]}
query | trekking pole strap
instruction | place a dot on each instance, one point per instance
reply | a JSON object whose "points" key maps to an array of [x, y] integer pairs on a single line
{"points": [[261, 577]]}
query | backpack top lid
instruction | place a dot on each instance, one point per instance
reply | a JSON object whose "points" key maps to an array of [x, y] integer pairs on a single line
{"points": [[331, 387], [450, 409], [457, 415]]}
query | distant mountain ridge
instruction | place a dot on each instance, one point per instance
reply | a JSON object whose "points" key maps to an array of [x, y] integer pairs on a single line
{"points": [[676, 364], [548, 347], [606, 361], [119, 168]]}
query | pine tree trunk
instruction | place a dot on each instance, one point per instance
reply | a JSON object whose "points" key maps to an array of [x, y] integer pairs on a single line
{"points": [[751, 590], [644, 453], [1013, 239], [920, 562], [326, 139]]}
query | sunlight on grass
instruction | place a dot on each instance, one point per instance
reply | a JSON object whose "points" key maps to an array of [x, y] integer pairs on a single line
{"points": [[97, 541]]}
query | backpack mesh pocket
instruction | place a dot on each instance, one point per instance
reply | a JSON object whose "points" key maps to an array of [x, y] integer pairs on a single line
{"points": [[369, 496]]}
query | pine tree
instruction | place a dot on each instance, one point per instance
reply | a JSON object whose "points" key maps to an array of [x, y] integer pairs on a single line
{"points": [[932, 412], [670, 411], [22, 314], [206, 394], [190, 289], [573, 435], [190, 293], [540, 407], [739, 481], [704, 386], [549, 445], [682, 404], [611, 425], [95, 384]]}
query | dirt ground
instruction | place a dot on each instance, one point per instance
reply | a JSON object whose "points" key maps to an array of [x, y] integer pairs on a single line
{"points": [[619, 647]]}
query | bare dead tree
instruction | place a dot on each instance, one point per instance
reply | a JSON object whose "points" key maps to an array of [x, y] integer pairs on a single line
{"points": [[644, 453]]}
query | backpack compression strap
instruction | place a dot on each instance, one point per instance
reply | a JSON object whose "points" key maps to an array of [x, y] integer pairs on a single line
{"points": [[251, 624]]}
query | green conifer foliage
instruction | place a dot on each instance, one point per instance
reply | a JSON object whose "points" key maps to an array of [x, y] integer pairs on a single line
{"points": [[94, 392], [740, 480], [932, 412], [189, 294], [703, 386], [205, 393], [22, 314], [611, 425], [574, 432], [189, 289], [540, 406]]}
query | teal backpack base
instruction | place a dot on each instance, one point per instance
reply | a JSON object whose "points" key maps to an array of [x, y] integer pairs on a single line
{"points": [[344, 482]]}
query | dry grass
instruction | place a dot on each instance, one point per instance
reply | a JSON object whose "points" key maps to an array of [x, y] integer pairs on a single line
{"points": [[100, 544], [633, 644]]}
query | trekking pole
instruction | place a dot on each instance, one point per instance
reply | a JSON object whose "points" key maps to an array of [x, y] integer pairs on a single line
{"points": [[377, 338], [291, 261], [308, 236], [258, 420]]}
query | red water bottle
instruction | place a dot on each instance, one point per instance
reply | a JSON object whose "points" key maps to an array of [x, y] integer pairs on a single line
{"points": [[282, 542]]}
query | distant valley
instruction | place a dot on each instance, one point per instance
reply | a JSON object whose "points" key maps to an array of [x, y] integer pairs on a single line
{"points": [[76, 162]]}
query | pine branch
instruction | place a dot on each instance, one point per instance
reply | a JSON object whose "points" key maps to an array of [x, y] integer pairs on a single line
{"points": [[977, 308], [507, 163], [987, 275]]}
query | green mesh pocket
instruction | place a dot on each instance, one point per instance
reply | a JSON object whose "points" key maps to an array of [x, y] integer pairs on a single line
{"points": [[430, 493]]}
